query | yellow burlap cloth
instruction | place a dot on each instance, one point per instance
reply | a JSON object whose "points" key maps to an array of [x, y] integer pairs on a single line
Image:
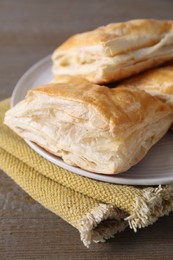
{"points": [[98, 210]]}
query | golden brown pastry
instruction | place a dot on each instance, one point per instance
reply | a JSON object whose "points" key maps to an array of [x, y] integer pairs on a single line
{"points": [[116, 51], [157, 82], [68, 79], [91, 126]]}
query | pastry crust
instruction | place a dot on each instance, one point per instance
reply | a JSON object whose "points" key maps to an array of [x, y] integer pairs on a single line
{"points": [[157, 82], [69, 79], [116, 51], [91, 126]]}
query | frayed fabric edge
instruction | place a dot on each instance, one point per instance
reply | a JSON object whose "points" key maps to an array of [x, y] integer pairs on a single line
{"points": [[105, 220], [152, 204], [102, 223]]}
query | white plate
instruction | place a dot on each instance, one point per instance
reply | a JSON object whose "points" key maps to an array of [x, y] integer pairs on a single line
{"points": [[156, 168]]}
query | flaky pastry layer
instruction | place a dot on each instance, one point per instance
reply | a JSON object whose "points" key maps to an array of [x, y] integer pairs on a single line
{"points": [[116, 51], [157, 82], [90, 126]]}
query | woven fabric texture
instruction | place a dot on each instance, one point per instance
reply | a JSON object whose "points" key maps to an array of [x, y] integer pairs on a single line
{"points": [[97, 209]]}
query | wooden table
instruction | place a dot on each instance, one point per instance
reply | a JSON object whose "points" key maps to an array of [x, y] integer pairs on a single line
{"points": [[30, 30]]}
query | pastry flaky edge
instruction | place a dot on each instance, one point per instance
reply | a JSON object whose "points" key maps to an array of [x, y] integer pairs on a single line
{"points": [[96, 128], [157, 82], [116, 51], [91, 126]]}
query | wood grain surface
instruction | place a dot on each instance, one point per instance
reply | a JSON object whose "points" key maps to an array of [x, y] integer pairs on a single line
{"points": [[30, 30]]}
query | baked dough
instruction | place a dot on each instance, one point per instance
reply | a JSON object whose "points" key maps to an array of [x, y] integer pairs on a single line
{"points": [[96, 128], [68, 79], [157, 82], [116, 51]]}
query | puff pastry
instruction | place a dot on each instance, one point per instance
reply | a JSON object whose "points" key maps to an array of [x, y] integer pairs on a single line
{"points": [[116, 51], [96, 128], [157, 82], [68, 79]]}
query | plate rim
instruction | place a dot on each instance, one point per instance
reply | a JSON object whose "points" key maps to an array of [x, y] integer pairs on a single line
{"points": [[25, 75], [114, 179]]}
